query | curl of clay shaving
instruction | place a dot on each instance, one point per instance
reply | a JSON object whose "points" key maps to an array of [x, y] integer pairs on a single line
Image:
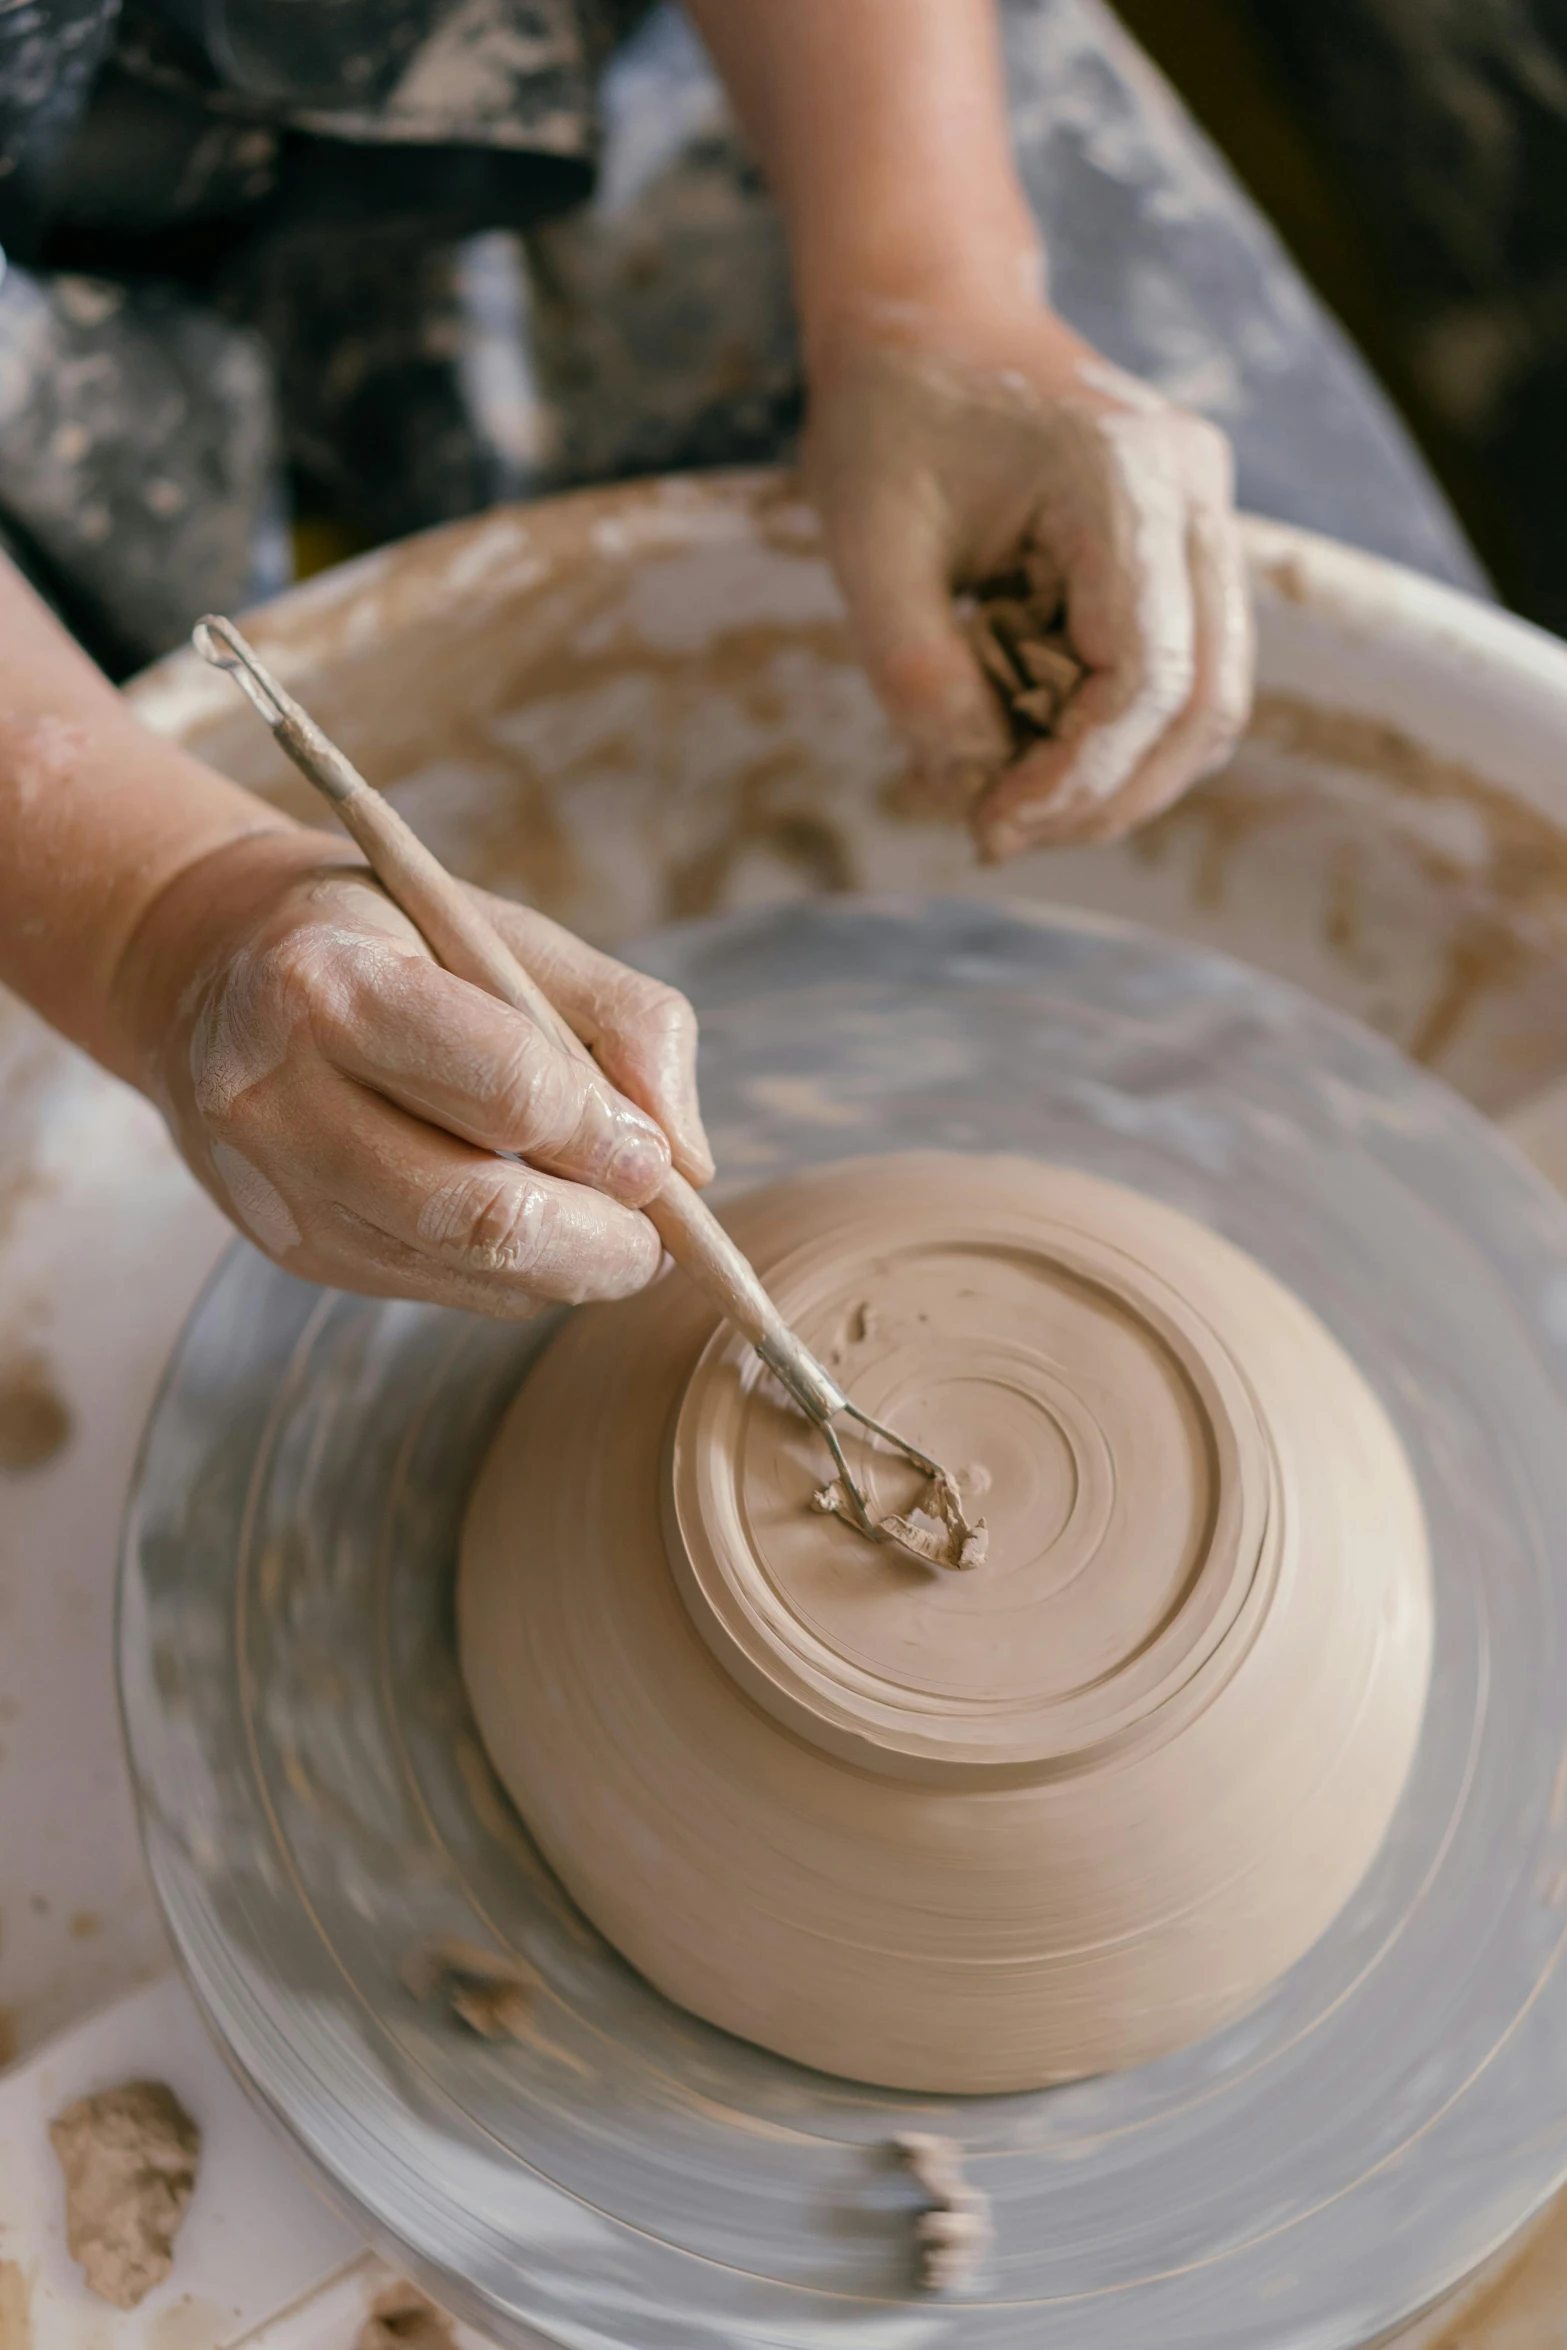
{"points": [[129, 2157], [954, 2232], [1017, 630], [956, 1832], [936, 1526]]}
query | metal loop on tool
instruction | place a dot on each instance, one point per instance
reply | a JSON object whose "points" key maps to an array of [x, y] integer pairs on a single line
{"points": [[896, 1443], [820, 1398], [859, 1509], [217, 640], [793, 1364]]}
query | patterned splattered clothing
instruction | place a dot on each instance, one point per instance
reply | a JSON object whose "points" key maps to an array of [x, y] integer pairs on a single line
{"points": [[386, 260], [231, 224]]}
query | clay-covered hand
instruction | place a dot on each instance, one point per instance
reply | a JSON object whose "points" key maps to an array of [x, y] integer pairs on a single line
{"points": [[948, 454], [375, 1123]]}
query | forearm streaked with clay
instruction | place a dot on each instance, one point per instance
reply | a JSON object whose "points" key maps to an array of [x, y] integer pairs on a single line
{"points": [[882, 127], [97, 817]]}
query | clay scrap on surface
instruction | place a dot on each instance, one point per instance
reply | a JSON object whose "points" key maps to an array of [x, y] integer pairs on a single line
{"points": [[485, 1989], [403, 2318], [954, 2233], [129, 2156]]}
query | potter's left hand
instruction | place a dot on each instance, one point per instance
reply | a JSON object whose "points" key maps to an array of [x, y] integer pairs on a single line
{"points": [[940, 450]]}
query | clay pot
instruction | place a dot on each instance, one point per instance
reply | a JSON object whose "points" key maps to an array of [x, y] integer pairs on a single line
{"points": [[957, 1832]]}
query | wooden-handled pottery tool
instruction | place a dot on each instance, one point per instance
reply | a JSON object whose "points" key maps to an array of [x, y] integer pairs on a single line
{"points": [[937, 1529]]}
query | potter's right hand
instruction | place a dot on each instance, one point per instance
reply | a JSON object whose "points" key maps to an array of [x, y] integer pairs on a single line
{"points": [[345, 1099], [957, 440]]}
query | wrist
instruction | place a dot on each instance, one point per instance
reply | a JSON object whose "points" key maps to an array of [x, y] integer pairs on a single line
{"points": [[96, 816], [966, 333], [903, 284]]}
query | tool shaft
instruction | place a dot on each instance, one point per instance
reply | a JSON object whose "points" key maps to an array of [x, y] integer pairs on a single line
{"points": [[461, 936]]}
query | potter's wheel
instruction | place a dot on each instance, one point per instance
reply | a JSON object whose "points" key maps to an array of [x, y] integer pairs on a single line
{"points": [[315, 1803]]}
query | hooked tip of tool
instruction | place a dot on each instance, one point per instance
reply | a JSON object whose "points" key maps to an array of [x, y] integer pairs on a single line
{"points": [[213, 638], [218, 640]]}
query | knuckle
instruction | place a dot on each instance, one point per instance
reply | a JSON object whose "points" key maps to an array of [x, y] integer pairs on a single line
{"points": [[292, 970], [490, 1220], [308, 980], [246, 1026], [650, 1006]]}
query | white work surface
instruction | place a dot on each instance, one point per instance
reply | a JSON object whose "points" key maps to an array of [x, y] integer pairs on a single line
{"points": [[261, 2261], [104, 1241]]}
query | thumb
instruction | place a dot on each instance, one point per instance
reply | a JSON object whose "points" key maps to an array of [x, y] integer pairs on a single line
{"points": [[891, 558]]}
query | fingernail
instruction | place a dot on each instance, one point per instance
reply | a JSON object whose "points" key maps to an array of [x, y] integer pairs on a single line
{"points": [[637, 1165], [700, 1165]]}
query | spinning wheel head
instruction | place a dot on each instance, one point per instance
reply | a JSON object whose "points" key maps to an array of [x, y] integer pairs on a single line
{"points": [[315, 1802]]}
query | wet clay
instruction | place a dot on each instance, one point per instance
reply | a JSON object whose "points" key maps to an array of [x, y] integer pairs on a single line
{"points": [[959, 1832], [129, 2158]]}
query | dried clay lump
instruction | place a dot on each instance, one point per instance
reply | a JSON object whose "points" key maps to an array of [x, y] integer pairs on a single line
{"points": [[129, 2158]]}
